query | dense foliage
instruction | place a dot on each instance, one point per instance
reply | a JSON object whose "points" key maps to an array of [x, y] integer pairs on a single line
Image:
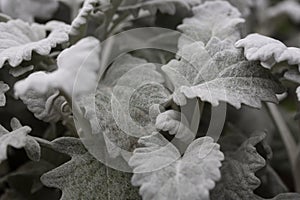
{"points": [[204, 106]]}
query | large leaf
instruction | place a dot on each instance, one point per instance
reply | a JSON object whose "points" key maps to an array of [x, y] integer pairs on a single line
{"points": [[204, 25], [217, 72], [84, 177], [211, 68], [163, 174], [27, 10], [133, 96], [83, 56], [238, 171], [18, 138], [19, 40], [103, 123], [268, 50], [3, 88], [123, 106]]}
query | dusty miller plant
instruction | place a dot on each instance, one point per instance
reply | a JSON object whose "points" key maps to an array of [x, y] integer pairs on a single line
{"points": [[241, 55]]}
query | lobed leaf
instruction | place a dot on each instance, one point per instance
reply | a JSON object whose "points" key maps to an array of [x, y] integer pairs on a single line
{"points": [[19, 40], [217, 72], [84, 177], [81, 19], [163, 174], [211, 68], [122, 110], [134, 95], [18, 138], [223, 24], [238, 172]]}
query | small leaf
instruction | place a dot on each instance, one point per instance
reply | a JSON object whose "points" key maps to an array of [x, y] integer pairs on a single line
{"points": [[19, 71], [27, 10], [18, 138], [238, 172], [81, 19], [3, 88], [19, 40], [46, 107], [84, 177], [268, 50], [163, 174], [70, 61]]}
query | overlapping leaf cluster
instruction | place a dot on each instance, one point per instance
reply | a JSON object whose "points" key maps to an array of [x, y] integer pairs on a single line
{"points": [[135, 110]]}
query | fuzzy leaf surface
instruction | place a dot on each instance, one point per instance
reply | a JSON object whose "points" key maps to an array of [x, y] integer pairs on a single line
{"points": [[238, 171], [18, 138], [84, 177], [3, 88], [217, 72], [85, 52], [268, 50], [19, 40], [122, 109], [133, 97], [163, 174], [223, 24]]}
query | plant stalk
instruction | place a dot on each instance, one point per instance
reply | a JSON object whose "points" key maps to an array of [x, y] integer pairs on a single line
{"points": [[288, 141]]}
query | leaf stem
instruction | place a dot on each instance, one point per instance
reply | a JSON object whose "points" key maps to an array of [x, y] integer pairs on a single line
{"points": [[288, 140], [42, 142]]}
